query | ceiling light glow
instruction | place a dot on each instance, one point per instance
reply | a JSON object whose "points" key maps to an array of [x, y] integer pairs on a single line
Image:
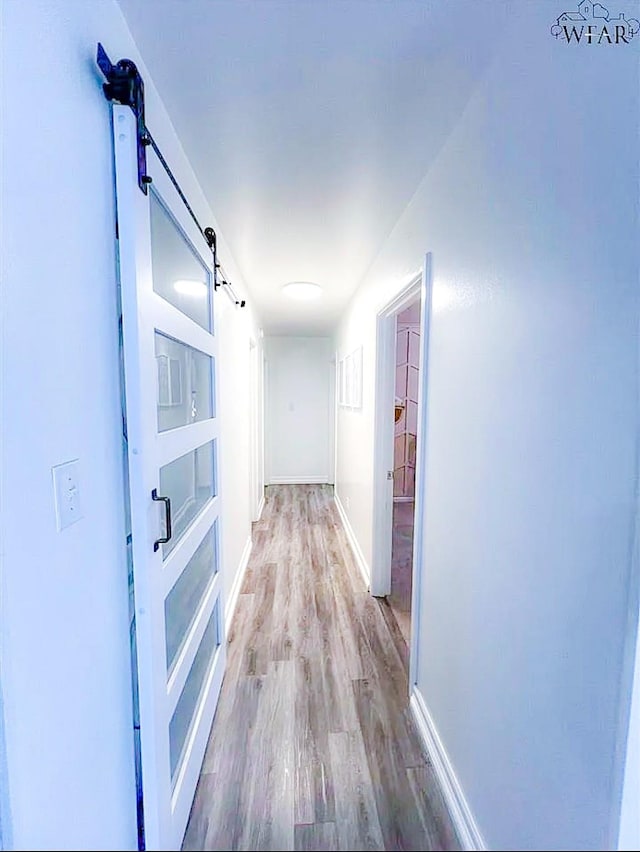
{"points": [[302, 291]]}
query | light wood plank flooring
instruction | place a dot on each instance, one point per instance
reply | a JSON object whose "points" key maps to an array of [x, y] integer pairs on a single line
{"points": [[401, 566], [313, 746]]}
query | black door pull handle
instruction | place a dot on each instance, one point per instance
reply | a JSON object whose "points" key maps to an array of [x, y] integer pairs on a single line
{"points": [[167, 519]]}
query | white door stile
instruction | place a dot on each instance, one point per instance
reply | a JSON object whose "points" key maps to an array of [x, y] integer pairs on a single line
{"points": [[166, 800], [131, 210]]}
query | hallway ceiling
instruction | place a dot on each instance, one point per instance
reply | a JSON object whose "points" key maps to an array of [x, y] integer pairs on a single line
{"points": [[310, 125]]}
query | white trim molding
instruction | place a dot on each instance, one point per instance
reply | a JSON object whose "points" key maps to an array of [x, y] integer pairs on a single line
{"points": [[361, 562], [299, 480], [421, 468], [232, 600], [260, 506], [463, 821]]}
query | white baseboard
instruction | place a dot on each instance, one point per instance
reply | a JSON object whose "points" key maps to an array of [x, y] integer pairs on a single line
{"points": [[299, 480], [457, 805], [260, 508], [361, 562], [232, 600]]}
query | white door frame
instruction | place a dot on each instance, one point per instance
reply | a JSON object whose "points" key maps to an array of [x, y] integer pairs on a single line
{"points": [[331, 471], [334, 424], [385, 377], [266, 427], [256, 416]]}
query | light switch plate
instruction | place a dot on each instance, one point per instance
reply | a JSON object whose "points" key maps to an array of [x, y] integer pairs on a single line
{"points": [[66, 490]]}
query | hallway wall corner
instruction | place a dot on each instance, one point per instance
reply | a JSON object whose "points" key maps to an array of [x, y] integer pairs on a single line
{"points": [[361, 562], [232, 600], [459, 810]]}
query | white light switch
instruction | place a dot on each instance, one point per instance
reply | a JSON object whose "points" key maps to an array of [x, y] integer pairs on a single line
{"points": [[67, 494]]}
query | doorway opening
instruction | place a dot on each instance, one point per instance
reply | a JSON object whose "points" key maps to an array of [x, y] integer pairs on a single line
{"points": [[405, 418], [399, 459]]}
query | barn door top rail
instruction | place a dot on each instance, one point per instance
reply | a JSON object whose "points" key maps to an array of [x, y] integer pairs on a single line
{"points": [[125, 86]]}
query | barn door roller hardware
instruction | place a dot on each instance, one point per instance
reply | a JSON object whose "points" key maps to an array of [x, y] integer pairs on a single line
{"points": [[210, 237], [125, 86]]}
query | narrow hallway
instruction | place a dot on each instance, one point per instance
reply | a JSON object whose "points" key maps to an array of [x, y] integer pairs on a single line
{"points": [[313, 746]]}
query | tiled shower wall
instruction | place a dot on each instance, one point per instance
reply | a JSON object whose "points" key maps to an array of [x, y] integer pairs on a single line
{"points": [[407, 361]]}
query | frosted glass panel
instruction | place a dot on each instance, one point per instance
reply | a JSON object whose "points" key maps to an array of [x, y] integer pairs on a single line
{"points": [[179, 276], [183, 601], [185, 384], [190, 482], [187, 705]]}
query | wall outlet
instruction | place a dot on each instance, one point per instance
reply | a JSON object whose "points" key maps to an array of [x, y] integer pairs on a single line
{"points": [[66, 492]]}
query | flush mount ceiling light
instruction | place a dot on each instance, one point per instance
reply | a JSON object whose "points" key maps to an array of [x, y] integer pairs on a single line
{"points": [[302, 291], [190, 288]]}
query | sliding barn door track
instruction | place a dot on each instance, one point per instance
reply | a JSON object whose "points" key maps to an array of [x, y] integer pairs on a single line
{"points": [[125, 86]]}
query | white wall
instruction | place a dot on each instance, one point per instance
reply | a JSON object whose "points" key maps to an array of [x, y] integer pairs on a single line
{"points": [[531, 212], [4, 803], [256, 426], [236, 326], [630, 812], [64, 643], [299, 408]]}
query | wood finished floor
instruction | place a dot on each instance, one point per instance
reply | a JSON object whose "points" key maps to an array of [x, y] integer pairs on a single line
{"points": [[401, 566], [312, 746]]}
